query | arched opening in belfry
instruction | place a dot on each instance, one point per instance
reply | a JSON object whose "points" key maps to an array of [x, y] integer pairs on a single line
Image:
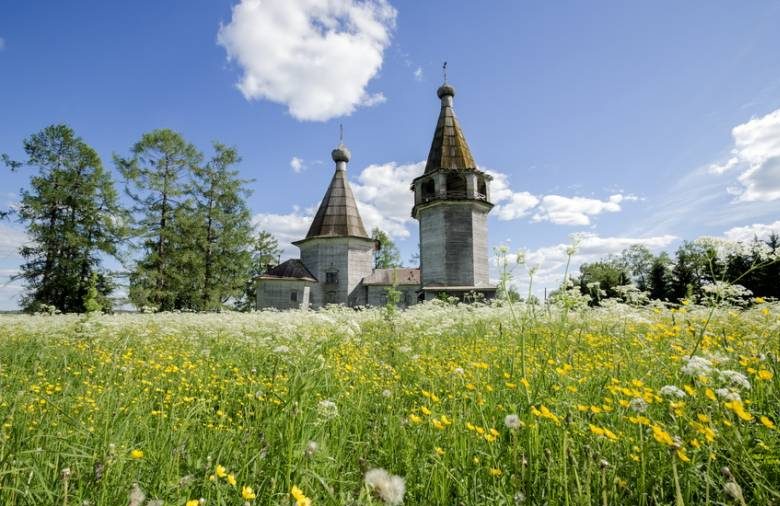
{"points": [[456, 186], [428, 189], [481, 187]]}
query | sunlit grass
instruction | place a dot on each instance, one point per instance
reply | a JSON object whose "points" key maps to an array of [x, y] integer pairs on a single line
{"points": [[225, 407]]}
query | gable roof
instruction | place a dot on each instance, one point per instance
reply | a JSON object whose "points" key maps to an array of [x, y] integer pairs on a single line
{"points": [[403, 276], [289, 269], [449, 149], [338, 214]]}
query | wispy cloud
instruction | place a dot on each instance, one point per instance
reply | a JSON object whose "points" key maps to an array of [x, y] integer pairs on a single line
{"points": [[296, 164]]}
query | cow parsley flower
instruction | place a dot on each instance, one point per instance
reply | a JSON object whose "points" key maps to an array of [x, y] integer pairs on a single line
{"points": [[389, 488], [672, 391], [735, 378], [697, 366], [728, 394], [327, 409]]}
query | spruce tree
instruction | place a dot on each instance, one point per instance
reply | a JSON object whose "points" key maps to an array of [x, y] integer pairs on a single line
{"points": [[72, 218], [156, 177], [225, 230], [659, 279]]}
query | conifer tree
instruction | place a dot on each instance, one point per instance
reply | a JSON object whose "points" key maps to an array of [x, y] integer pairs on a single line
{"points": [[659, 279], [225, 230], [156, 176], [72, 218]]}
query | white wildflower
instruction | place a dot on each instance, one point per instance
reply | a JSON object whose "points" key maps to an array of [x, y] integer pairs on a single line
{"points": [[512, 421], [282, 349], [697, 366], [459, 371], [727, 394], [311, 448], [672, 391], [387, 393], [638, 404], [327, 409], [136, 496], [389, 488], [735, 378], [404, 349]]}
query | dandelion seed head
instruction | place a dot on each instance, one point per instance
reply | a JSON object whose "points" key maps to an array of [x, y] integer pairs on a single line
{"points": [[512, 421], [389, 488]]}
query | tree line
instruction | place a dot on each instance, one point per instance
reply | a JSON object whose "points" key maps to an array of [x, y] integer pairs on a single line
{"points": [[186, 240], [696, 269]]}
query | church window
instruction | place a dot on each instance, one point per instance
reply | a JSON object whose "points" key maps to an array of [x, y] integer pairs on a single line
{"points": [[294, 296], [456, 186], [482, 187], [332, 278], [428, 189]]}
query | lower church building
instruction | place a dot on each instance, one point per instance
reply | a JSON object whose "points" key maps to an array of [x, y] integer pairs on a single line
{"points": [[451, 204]]}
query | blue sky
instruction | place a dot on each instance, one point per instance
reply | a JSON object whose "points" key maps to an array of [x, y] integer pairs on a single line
{"points": [[622, 121]]}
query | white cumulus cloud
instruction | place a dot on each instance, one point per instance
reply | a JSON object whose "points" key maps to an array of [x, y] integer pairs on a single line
{"points": [[757, 153], [384, 198], [418, 74], [315, 56], [575, 210], [749, 232], [557, 209]]}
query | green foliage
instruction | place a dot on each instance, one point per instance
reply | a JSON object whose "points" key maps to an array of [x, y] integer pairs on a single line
{"points": [[660, 278], [386, 255], [156, 176], [72, 218], [599, 279], [91, 302], [225, 231], [192, 224]]}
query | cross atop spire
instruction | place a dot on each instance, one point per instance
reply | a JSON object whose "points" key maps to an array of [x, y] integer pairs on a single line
{"points": [[444, 70], [341, 134]]}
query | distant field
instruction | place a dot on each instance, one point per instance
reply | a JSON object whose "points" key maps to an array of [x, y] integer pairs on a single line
{"points": [[189, 406]]}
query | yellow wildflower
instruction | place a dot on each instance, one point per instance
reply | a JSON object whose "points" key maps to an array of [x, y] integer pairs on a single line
{"points": [[192, 502], [247, 493], [231, 479], [137, 454], [494, 471], [220, 471], [662, 436], [769, 424], [765, 375], [300, 498], [739, 410]]}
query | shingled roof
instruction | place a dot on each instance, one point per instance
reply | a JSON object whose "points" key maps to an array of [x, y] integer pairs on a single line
{"points": [[289, 269], [338, 214], [449, 149]]}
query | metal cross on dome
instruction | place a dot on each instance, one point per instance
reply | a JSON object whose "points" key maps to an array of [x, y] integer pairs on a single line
{"points": [[444, 70]]}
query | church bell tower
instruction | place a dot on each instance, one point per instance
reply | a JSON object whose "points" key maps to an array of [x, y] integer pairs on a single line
{"points": [[451, 204]]}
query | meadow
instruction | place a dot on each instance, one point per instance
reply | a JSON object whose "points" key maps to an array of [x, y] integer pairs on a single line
{"points": [[439, 405]]}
